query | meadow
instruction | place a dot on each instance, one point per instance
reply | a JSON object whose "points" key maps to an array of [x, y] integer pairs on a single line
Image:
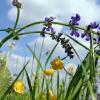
{"points": [[78, 81]]}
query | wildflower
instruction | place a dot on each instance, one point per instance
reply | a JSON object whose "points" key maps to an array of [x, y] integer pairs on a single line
{"points": [[75, 19], [71, 68], [74, 22], [98, 35], [94, 25], [19, 86], [87, 34], [50, 92], [48, 71], [48, 24], [57, 63], [12, 45], [75, 32], [58, 37], [98, 38], [52, 97], [16, 3], [33, 74], [64, 42]]}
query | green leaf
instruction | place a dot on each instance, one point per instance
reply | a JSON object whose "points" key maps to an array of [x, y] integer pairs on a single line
{"points": [[29, 81], [11, 86], [5, 77]]}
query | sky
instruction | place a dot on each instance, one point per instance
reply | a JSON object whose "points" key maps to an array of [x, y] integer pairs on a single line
{"points": [[35, 10]]}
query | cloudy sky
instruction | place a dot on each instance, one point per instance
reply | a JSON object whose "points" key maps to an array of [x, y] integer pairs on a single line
{"points": [[34, 10]]}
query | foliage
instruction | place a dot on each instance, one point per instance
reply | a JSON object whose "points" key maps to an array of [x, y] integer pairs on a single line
{"points": [[48, 86]]}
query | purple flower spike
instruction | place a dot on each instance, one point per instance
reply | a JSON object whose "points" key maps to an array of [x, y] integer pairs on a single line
{"points": [[82, 35], [98, 38], [46, 19], [78, 17], [87, 37], [75, 19], [49, 19], [94, 39], [74, 32], [47, 29], [52, 30], [77, 34], [48, 24], [94, 25]]}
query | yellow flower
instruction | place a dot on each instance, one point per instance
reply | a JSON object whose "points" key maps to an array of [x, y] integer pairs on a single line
{"points": [[57, 63], [43, 96], [48, 71], [52, 97], [19, 86], [33, 74], [50, 92]]}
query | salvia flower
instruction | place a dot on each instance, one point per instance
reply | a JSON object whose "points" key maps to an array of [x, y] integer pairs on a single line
{"points": [[86, 36], [98, 35], [75, 22], [94, 25], [19, 86], [74, 32], [64, 42], [98, 38], [57, 64], [74, 19], [48, 24]]}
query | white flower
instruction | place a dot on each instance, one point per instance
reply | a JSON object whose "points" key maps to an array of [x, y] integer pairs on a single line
{"points": [[11, 45], [71, 68]]}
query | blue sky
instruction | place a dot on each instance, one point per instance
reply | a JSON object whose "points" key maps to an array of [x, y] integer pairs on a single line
{"points": [[38, 10]]}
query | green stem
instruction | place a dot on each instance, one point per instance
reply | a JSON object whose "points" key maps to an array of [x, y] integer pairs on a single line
{"points": [[17, 18], [35, 23], [58, 85], [86, 77]]}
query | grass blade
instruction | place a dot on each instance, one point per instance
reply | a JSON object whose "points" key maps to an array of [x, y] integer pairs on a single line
{"points": [[29, 81], [10, 87]]}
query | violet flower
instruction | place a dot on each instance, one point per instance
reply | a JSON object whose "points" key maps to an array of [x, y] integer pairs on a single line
{"points": [[74, 19], [74, 32], [86, 36], [94, 25], [74, 22], [48, 24]]}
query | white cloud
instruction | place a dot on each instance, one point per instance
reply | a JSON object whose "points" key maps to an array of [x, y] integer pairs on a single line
{"points": [[63, 9], [48, 44], [38, 9], [17, 62]]}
